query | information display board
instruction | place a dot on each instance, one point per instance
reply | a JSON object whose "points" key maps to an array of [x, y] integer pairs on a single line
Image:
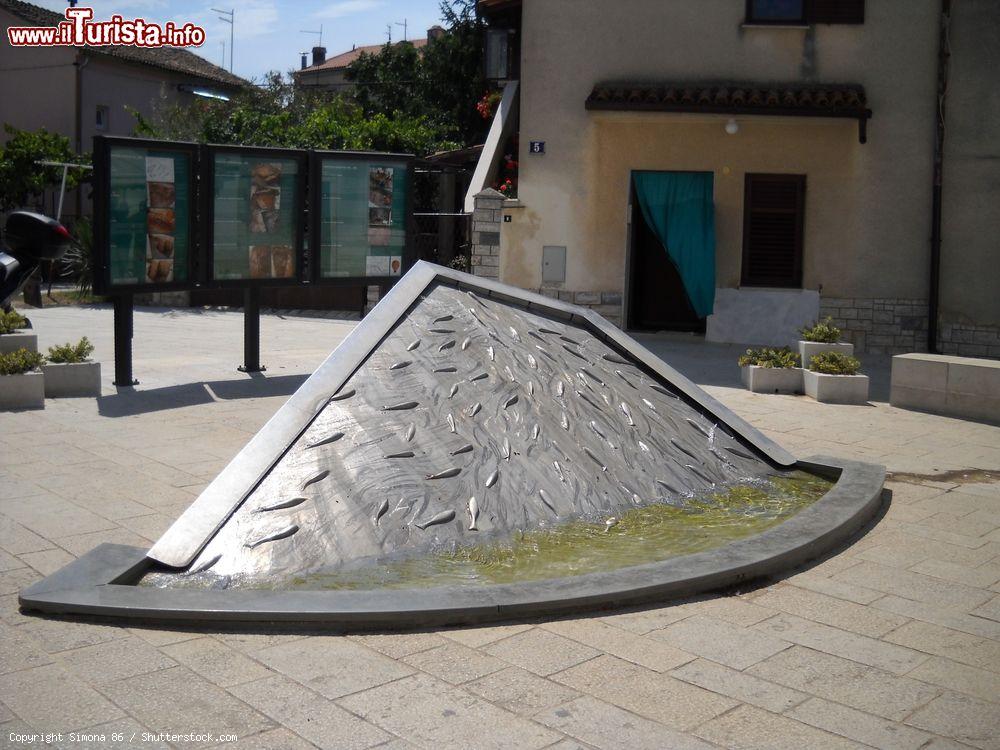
{"points": [[179, 216], [360, 209], [145, 227], [258, 214]]}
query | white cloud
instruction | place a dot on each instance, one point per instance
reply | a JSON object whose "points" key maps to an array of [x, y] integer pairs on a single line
{"points": [[254, 18], [347, 7]]}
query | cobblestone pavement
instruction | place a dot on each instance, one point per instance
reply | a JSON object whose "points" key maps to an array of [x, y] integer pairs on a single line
{"points": [[891, 642]]}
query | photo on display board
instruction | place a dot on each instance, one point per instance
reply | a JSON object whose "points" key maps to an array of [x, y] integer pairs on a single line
{"points": [[383, 265], [272, 262], [160, 219], [380, 196], [265, 197]]}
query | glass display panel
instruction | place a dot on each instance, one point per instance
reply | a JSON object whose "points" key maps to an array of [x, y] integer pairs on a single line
{"points": [[362, 217], [254, 222], [149, 215]]}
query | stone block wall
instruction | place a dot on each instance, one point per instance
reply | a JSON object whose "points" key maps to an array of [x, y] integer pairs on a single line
{"points": [[606, 304], [896, 326], [486, 220], [879, 325]]}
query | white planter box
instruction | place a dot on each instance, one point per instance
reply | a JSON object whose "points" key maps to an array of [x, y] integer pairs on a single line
{"points": [[836, 389], [772, 379], [11, 342], [69, 380], [809, 349], [25, 391]]}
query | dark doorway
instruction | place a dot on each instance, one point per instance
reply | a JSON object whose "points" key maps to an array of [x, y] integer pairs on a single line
{"points": [[657, 300]]}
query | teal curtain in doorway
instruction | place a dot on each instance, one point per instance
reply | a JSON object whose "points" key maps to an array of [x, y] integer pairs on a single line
{"points": [[678, 207]]}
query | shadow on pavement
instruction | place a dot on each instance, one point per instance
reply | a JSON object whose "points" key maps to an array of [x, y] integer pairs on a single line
{"points": [[130, 401]]}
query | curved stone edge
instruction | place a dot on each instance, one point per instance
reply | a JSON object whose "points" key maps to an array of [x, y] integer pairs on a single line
{"points": [[181, 543], [99, 583]]}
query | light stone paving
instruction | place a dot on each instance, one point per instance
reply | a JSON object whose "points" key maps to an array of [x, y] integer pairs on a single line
{"points": [[892, 642]]}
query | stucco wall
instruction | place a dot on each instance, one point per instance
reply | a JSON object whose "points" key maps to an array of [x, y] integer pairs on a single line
{"points": [[867, 220], [37, 85], [116, 85], [970, 248]]}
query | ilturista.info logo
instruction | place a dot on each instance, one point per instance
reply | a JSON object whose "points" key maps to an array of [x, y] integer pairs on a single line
{"points": [[80, 30]]}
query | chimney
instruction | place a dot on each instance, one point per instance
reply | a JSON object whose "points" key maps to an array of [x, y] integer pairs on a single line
{"points": [[434, 32], [304, 56], [319, 55]]}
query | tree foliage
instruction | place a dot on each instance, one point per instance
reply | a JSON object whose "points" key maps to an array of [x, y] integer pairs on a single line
{"points": [[441, 82], [402, 100], [277, 114], [22, 179]]}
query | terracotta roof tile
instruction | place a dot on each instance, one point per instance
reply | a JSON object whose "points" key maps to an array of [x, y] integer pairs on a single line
{"points": [[346, 58]]}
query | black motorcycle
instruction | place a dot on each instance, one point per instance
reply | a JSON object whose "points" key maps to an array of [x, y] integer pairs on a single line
{"points": [[30, 239]]}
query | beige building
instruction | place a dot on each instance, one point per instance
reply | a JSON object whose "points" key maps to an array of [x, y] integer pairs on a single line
{"points": [[83, 92], [811, 126]]}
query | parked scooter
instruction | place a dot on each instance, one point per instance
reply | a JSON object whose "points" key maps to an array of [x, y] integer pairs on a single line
{"points": [[30, 239]]}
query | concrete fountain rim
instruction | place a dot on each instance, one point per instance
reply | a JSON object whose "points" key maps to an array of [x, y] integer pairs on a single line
{"points": [[101, 583]]}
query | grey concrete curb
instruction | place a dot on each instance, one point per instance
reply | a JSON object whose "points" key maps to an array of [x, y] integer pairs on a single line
{"points": [[101, 582]]}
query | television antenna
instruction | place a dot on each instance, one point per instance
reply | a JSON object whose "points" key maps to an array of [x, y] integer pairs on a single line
{"points": [[319, 33], [229, 16], [388, 32], [403, 24]]}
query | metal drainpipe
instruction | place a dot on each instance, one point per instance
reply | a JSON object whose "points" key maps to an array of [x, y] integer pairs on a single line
{"points": [[944, 53]]}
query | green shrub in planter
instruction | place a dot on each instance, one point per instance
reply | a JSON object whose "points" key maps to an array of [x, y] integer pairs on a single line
{"points": [[11, 321], [824, 332], [71, 353], [782, 358], [19, 362], [834, 363]]}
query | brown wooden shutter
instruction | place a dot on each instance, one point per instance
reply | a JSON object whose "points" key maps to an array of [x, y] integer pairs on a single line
{"points": [[773, 218], [836, 11]]}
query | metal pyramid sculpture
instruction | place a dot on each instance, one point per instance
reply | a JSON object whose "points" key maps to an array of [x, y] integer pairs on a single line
{"points": [[460, 412]]}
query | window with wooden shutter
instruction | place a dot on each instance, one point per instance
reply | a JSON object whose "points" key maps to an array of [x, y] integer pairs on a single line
{"points": [[773, 217], [796, 12], [837, 11]]}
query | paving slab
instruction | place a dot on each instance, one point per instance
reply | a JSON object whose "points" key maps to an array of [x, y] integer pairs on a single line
{"points": [[309, 715], [521, 691], [602, 725], [672, 702], [848, 682], [750, 728], [333, 666], [431, 713]]}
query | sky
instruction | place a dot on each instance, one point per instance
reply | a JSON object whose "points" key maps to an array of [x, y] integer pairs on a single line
{"points": [[269, 32]]}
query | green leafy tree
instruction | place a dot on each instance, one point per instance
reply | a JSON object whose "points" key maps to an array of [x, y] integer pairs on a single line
{"points": [[453, 71], [22, 179], [389, 82], [442, 82], [279, 115]]}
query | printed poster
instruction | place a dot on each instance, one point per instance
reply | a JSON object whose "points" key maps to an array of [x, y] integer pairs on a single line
{"points": [[161, 220]]}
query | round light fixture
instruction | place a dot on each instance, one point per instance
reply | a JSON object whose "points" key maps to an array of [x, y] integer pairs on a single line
{"points": [[732, 127]]}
